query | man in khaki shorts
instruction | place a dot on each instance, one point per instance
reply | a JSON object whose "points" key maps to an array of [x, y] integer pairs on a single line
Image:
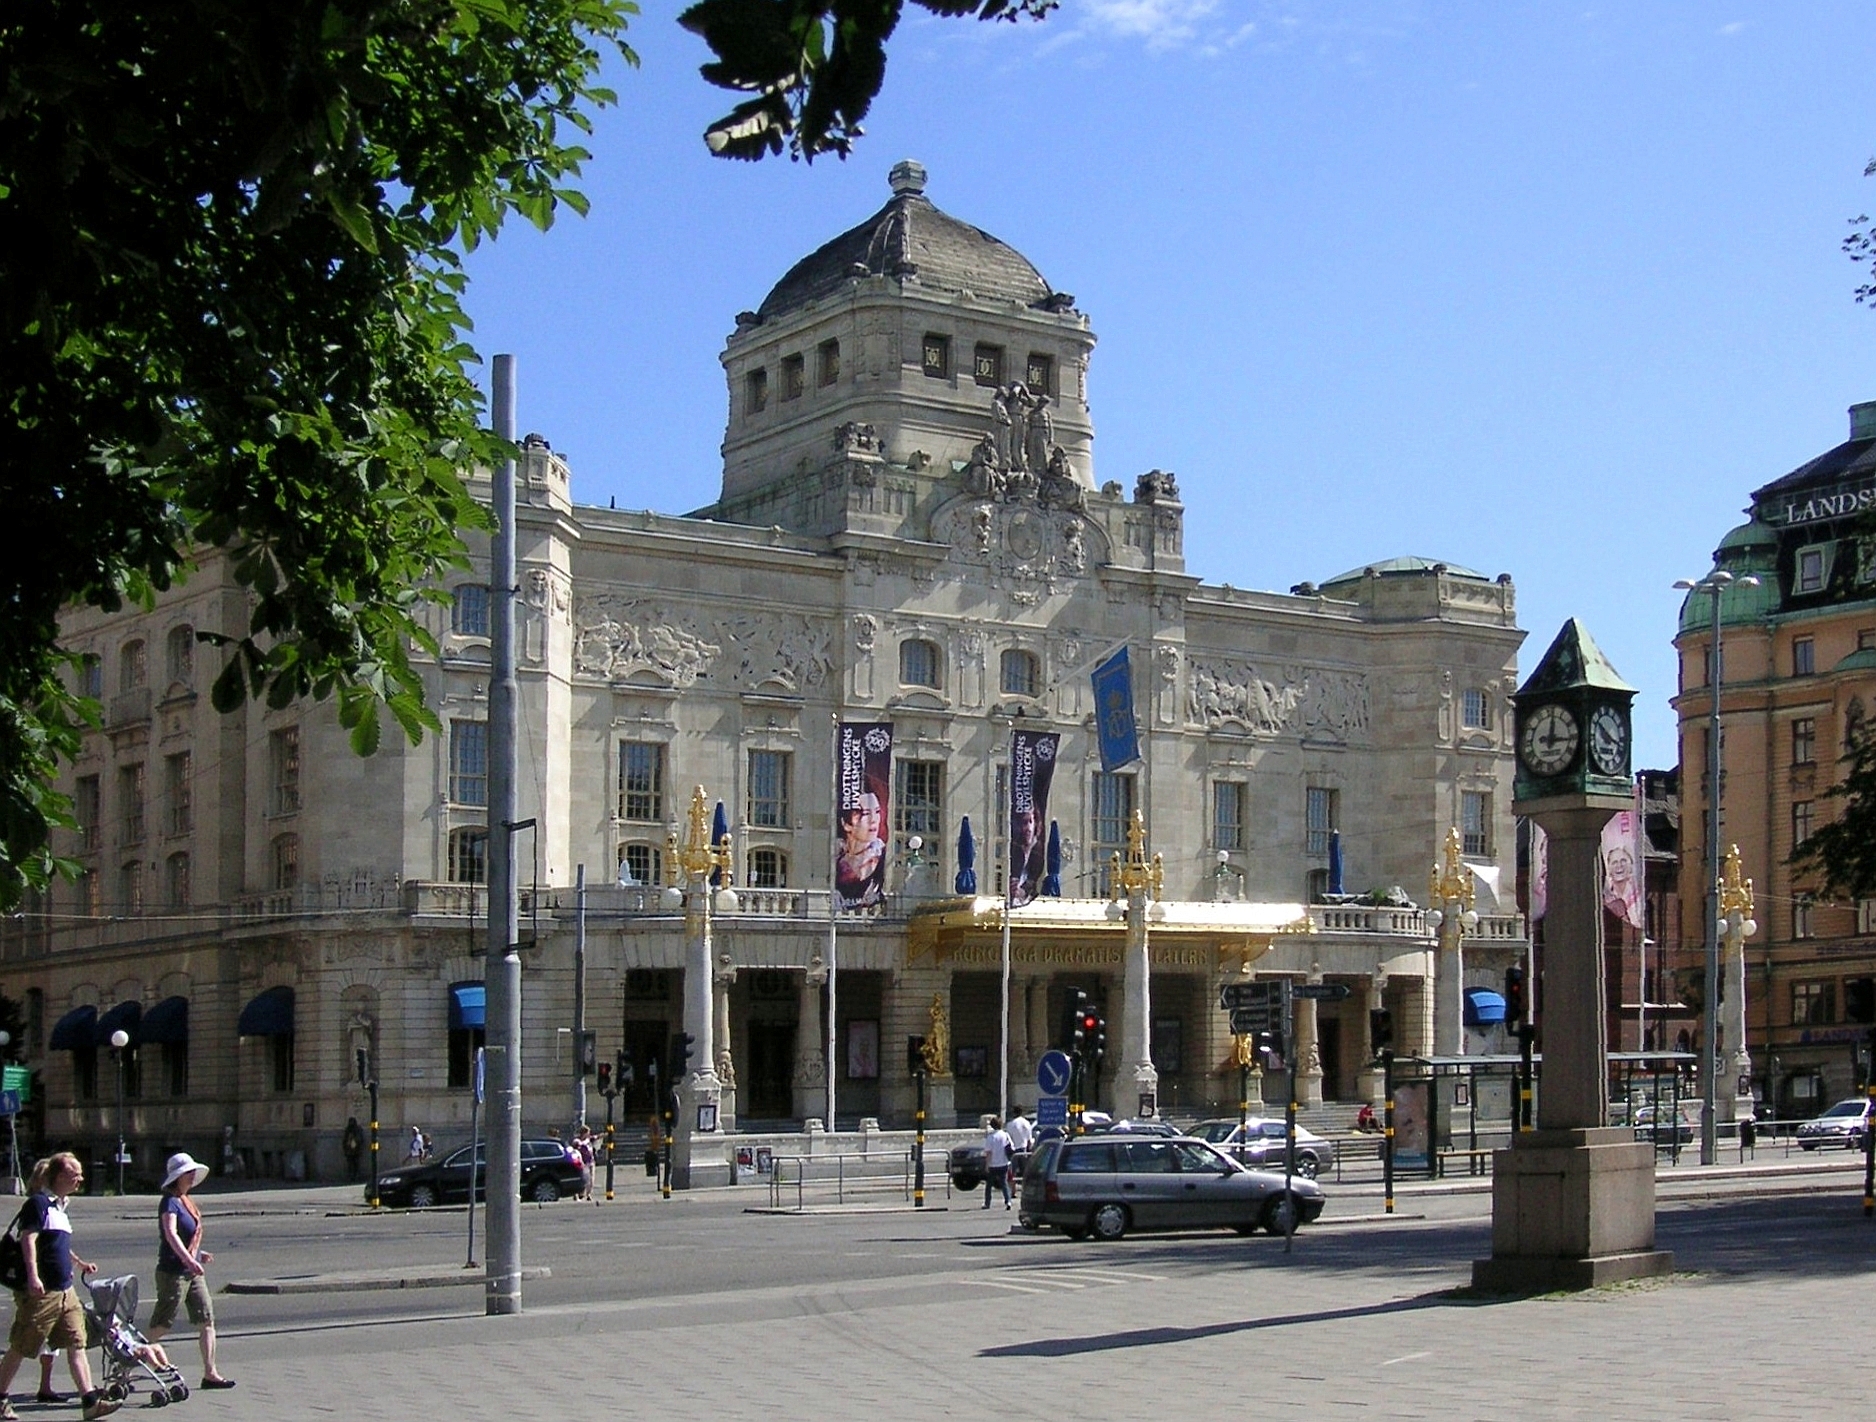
{"points": [[47, 1309]]}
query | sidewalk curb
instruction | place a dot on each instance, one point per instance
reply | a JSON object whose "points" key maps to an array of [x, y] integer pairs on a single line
{"points": [[364, 1283]]}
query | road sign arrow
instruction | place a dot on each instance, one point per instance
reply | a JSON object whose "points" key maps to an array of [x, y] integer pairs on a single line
{"points": [[1321, 992]]}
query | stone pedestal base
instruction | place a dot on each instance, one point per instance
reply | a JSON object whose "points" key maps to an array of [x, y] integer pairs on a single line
{"points": [[701, 1097], [941, 1103], [1571, 1210]]}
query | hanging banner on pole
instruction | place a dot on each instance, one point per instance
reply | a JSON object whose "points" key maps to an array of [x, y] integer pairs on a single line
{"points": [[863, 752], [1622, 867], [1032, 768], [1113, 712]]}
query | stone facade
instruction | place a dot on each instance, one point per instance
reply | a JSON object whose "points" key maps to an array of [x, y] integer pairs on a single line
{"points": [[885, 548]]}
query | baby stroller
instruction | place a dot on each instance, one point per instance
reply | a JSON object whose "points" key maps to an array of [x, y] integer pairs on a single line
{"points": [[129, 1361]]}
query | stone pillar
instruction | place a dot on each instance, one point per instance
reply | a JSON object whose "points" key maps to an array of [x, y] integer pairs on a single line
{"points": [[1371, 1083], [1135, 1089], [700, 1097], [1022, 1057], [1735, 1100], [810, 1083], [1573, 1202], [726, 1064], [1308, 1048]]}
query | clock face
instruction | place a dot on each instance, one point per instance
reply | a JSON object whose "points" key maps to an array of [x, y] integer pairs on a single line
{"points": [[1548, 744], [1608, 740]]}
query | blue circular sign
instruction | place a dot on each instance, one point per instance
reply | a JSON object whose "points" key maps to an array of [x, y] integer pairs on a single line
{"points": [[1052, 1073]]}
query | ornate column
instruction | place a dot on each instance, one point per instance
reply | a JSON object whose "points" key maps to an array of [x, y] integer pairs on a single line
{"points": [[1309, 1046], [1449, 888], [1736, 925], [1140, 882], [810, 1083], [724, 976], [701, 1093], [1372, 1082]]}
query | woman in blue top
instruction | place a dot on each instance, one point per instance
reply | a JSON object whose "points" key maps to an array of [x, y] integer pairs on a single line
{"points": [[182, 1263]]}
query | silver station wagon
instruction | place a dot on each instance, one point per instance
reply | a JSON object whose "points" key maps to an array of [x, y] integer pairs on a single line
{"points": [[1108, 1185]]}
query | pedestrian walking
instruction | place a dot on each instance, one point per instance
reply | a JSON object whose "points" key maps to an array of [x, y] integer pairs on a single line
{"points": [[583, 1147], [1022, 1137], [182, 1263], [996, 1161], [47, 1310], [352, 1143]]}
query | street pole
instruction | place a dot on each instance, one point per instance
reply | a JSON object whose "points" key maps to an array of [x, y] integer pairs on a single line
{"points": [[371, 1090], [120, 1039], [918, 1138], [502, 976], [611, 1095], [579, 1003], [1710, 1007]]}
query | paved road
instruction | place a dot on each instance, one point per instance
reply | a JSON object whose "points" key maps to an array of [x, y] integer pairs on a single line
{"points": [[692, 1308]]}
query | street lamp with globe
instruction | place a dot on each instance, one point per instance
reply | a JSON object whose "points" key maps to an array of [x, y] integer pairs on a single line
{"points": [[120, 1039]]}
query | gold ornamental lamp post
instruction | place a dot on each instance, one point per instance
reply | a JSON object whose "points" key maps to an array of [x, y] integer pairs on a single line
{"points": [[1135, 887], [691, 863], [1735, 926]]}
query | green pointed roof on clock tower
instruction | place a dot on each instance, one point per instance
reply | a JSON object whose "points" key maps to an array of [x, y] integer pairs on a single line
{"points": [[1574, 733], [1574, 660]]}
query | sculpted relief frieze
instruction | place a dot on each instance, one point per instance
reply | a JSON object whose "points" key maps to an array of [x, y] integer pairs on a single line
{"points": [[620, 637], [1290, 700]]}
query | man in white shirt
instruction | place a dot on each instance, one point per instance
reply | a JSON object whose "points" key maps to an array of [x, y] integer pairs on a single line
{"points": [[996, 1162], [1022, 1137]]}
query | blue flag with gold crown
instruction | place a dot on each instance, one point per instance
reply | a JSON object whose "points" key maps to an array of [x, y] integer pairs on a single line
{"points": [[1113, 712]]}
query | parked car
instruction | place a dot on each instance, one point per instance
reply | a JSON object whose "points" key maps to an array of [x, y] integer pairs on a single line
{"points": [[1844, 1124], [1134, 1128], [1260, 1144], [546, 1175], [1664, 1128], [1106, 1185]]}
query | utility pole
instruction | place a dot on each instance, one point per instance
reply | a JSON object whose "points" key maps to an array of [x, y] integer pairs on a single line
{"points": [[502, 977], [579, 1003]]}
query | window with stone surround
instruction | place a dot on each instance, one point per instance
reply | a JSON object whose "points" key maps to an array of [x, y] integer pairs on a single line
{"points": [[919, 663], [768, 788], [1229, 799], [755, 392], [1322, 816], [827, 364], [1111, 803], [1021, 673], [768, 868], [641, 781], [469, 762], [469, 855], [1475, 822], [1475, 711], [1804, 740], [794, 376]]}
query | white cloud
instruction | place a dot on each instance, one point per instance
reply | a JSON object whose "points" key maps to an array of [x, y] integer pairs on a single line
{"points": [[1163, 24], [1734, 28]]}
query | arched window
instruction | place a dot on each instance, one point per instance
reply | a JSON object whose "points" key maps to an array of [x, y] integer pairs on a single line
{"points": [[1022, 674], [641, 864], [470, 615], [918, 663], [768, 869], [469, 855], [132, 666], [182, 654], [286, 861]]}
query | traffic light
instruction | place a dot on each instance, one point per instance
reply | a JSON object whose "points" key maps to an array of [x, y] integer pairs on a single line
{"points": [[1088, 1030], [605, 1078], [1381, 1030], [678, 1059], [1097, 1037], [915, 1056], [1514, 996], [1270, 1050], [1077, 1004]]}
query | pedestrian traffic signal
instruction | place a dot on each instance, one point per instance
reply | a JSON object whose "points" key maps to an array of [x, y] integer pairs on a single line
{"points": [[605, 1078], [915, 1056], [1381, 1030], [1514, 995], [682, 1044]]}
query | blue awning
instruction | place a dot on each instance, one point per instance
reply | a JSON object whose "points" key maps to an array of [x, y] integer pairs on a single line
{"points": [[122, 1018], [73, 1032], [1484, 1008], [268, 1015], [468, 1006], [167, 1022]]}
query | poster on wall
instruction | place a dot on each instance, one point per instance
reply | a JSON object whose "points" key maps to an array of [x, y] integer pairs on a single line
{"points": [[1032, 768], [863, 1050]]}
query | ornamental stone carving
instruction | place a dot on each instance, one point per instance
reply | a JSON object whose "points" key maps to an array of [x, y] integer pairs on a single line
{"points": [[779, 649], [1292, 701], [619, 637], [865, 632]]}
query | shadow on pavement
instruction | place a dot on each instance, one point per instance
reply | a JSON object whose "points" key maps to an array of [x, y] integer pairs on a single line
{"points": [[1155, 1337]]}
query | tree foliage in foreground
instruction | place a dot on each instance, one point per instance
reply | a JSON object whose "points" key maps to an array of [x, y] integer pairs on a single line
{"points": [[812, 68], [229, 317], [1842, 853]]}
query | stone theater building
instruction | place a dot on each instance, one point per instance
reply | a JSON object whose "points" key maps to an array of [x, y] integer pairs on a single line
{"points": [[1798, 686], [910, 529]]}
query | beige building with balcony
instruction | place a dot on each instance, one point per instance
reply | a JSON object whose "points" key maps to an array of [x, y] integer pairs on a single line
{"points": [[910, 529]]}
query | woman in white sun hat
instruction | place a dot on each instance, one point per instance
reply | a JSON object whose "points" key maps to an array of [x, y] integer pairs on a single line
{"points": [[182, 1263]]}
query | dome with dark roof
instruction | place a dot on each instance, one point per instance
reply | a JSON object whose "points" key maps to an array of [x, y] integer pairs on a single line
{"points": [[910, 238]]}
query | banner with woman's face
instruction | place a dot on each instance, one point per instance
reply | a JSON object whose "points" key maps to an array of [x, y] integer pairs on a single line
{"points": [[1032, 769], [863, 753]]}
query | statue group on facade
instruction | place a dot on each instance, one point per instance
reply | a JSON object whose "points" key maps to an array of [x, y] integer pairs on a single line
{"points": [[1018, 458]]}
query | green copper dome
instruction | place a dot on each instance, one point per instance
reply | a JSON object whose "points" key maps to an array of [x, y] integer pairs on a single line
{"points": [[1749, 550]]}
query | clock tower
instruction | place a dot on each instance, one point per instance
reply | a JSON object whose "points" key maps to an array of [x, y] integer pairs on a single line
{"points": [[1572, 724]]}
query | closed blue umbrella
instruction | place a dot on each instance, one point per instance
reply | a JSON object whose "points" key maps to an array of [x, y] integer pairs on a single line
{"points": [[1052, 875], [719, 831], [1335, 862], [966, 881]]}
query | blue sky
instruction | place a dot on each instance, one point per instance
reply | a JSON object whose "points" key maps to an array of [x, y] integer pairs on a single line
{"points": [[1536, 289]]}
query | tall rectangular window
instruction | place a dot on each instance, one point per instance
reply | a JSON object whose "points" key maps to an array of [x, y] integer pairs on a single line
{"points": [[130, 802], [283, 769], [1322, 816], [1111, 805], [1475, 822], [827, 363], [1812, 570], [178, 885], [469, 616], [918, 805], [1804, 740], [1801, 912], [1476, 709], [641, 781], [130, 886], [280, 1061], [1804, 656], [182, 655], [133, 668], [469, 762], [1813, 1004], [1228, 797], [1801, 822], [794, 376], [755, 392], [87, 803], [768, 788], [179, 792], [91, 675]]}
